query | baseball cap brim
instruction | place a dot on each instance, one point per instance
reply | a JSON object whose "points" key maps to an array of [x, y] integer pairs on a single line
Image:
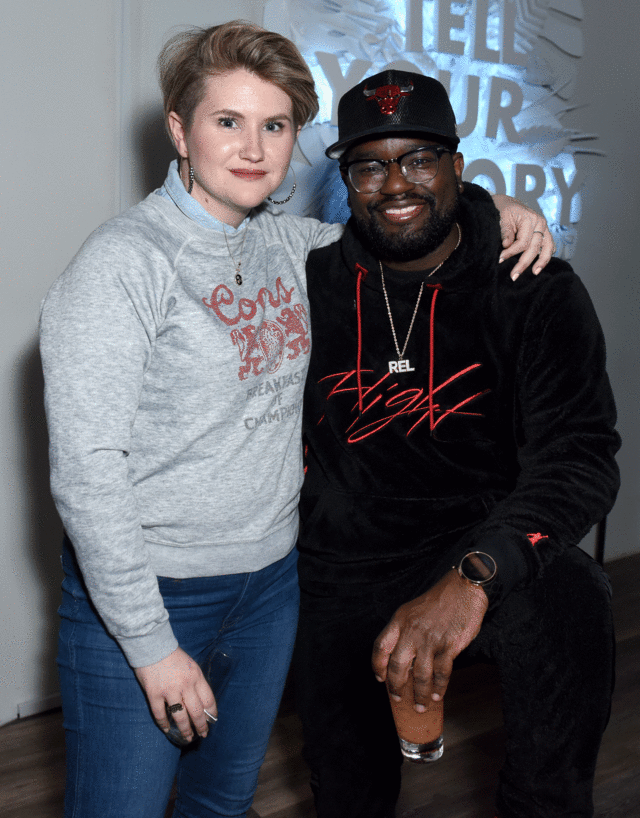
{"points": [[338, 149]]}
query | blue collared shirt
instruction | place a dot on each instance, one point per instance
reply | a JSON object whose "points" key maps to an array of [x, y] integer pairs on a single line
{"points": [[175, 190]]}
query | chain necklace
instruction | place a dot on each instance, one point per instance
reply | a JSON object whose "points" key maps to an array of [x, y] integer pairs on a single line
{"points": [[236, 264], [401, 365]]}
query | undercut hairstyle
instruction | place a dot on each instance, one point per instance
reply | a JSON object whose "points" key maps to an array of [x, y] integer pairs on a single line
{"points": [[189, 58]]}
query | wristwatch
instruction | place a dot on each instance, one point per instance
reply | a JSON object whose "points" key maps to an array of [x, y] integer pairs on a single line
{"points": [[477, 568]]}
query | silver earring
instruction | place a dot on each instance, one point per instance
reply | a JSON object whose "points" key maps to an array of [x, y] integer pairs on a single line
{"points": [[289, 197], [190, 188]]}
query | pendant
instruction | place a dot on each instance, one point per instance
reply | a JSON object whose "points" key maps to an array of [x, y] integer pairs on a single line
{"points": [[401, 366], [238, 279]]}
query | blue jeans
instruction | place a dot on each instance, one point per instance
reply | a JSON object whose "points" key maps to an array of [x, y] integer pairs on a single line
{"points": [[119, 763]]}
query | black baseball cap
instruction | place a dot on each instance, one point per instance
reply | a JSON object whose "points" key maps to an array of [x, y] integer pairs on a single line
{"points": [[394, 101]]}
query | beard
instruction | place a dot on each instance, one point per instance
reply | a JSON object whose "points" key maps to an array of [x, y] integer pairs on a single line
{"points": [[417, 243]]}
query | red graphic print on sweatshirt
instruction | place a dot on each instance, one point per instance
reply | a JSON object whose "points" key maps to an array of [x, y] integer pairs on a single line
{"points": [[262, 347]]}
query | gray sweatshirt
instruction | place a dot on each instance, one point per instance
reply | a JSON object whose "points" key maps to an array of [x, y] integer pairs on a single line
{"points": [[173, 398]]}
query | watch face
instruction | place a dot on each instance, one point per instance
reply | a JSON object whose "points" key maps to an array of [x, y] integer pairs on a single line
{"points": [[478, 567]]}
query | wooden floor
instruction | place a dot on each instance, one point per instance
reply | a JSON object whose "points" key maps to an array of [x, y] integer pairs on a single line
{"points": [[461, 785]]}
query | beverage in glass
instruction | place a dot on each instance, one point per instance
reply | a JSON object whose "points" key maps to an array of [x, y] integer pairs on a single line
{"points": [[420, 734]]}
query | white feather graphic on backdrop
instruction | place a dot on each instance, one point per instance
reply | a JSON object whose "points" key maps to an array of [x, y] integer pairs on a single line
{"points": [[510, 66]]}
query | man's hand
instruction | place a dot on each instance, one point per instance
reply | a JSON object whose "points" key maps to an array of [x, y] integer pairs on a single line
{"points": [[523, 231], [430, 632], [178, 679]]}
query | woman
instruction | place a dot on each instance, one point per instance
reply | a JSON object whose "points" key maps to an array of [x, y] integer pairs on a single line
{"points": [[175, 349]]}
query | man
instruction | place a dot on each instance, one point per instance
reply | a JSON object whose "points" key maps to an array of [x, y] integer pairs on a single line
{"points": [[448, 411]]}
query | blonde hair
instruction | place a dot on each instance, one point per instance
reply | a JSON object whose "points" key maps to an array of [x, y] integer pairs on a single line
{"points": [[189, 58]]}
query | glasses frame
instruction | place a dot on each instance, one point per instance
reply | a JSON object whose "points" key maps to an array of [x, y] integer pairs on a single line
{"points": [[438, 150]]}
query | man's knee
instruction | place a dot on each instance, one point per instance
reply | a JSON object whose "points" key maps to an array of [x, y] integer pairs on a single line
{"points": [[572, 595]]}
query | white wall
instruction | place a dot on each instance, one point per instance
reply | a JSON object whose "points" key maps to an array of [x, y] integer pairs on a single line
{"points": [[58, 181], [607, 257], [67, 165]]}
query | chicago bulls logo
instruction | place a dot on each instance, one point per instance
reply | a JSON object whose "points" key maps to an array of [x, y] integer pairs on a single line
{"points": [[388, 97]]}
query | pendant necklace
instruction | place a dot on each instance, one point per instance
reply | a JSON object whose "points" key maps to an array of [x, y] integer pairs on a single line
{"points": [[401, 365], [236, 264]]}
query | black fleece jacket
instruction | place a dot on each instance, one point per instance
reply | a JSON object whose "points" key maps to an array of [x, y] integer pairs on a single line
{"points": [[500, 438]]}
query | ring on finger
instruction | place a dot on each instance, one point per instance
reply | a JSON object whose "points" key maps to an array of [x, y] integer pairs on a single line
{"points": [[210, 717], [539, 231], [175, 708]]}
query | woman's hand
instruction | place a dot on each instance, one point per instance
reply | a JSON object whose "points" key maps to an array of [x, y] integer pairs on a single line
{"points": [[178, 679], [523, 231]]}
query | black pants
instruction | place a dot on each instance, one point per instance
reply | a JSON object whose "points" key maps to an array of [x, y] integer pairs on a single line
{"points": [[554, 648]]}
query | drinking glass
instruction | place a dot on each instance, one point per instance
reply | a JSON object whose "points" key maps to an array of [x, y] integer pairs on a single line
{"points": [[420, 734]]}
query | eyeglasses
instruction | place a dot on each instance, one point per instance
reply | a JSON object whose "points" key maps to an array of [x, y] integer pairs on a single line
{"points": [[417, 167]]}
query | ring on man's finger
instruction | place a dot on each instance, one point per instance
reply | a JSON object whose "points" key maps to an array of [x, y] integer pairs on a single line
{"points": [[210, 717], [539, 231], [175, 708]]}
